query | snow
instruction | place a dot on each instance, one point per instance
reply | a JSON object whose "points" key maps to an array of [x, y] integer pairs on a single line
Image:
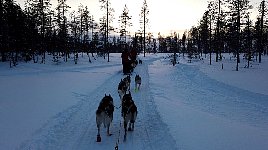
{"points": [[210, 114], [190, 106]]}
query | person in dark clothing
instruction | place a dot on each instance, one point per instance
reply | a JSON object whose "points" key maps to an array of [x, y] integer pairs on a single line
{"points": [[133, 58], [133, 55], [126, 62]]}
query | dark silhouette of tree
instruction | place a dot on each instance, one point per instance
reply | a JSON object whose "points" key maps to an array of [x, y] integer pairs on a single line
{"points": [[2, 22], [162, 43], [93, 25], [212, 9], [175, 47], [154, 46], [247, 40], [183, 42], [219, 14], [190, 46], [204, 32], [193, 41], [74, 29], [124, 24], [257, 36], [103, 34], [238, 11], [41, 13], [15, 29], [144, 21], [84, 27], [62, 9], [106, 6], [195, 36], [262, 15]]}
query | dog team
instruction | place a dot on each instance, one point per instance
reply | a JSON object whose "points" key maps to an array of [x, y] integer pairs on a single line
{"points": [[104, 113]]}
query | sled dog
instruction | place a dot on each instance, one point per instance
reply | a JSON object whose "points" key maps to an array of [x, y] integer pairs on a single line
{"points": [[129, 113], [134, 64], [122, 88], [104, 114], [137, 82], [127, 80]]}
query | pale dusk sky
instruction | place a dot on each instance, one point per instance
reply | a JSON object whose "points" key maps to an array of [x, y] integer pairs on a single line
{"points": [[165, 16]]}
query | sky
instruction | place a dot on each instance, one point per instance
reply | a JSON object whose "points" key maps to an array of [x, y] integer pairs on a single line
{"points": [[165, 16]]}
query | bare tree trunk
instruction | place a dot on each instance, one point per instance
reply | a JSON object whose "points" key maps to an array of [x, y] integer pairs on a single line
{"points": [[238, 32], [144, 23]]}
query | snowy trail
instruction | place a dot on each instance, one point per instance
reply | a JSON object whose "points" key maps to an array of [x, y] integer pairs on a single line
{"points": [[211, 115], [220, 99], [66, 130], [178, 108], [75, 128], [149, 121]]}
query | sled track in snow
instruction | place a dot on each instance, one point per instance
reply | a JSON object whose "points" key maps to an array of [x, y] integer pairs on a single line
{"points": [[67, 128], [230, 102], [75, 128], [158, 134]]}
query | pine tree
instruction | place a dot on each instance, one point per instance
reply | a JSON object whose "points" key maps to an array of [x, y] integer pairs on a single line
{"points": [[92, 25], [175, 47], [103, 34], [219, 27], [263, 12], [73, 24], [2, 47], [195, 36], [106, 6], [238, 11], [162, 43], [193, 42], [144, 20], [212, 8], [183, 41], [190, 46], [248, 39], [62, 9], [40, 11], [257, 36], [84, 26], [124, 24], [204, 32]]}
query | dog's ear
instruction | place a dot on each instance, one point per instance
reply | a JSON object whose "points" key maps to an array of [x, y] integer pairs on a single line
{"points": [[110, 95], [105, 94]]}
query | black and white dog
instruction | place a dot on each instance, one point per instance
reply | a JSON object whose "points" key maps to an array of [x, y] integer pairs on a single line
{"points": [[129, 113], [137, 82], [127, 80], [104, 114], [122, 89]]}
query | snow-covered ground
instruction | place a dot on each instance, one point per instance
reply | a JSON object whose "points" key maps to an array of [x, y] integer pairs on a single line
{"points": [[192, 106]]}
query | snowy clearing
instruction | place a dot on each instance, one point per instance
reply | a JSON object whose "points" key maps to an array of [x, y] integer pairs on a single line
{"points": [[190, 106]]}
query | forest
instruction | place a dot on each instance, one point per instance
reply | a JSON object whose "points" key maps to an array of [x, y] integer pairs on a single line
{"points": [[227, 26]]}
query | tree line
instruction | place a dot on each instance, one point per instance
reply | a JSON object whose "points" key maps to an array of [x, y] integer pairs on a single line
{"points": [[226, 26], [29, 34], [37, 30]]}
